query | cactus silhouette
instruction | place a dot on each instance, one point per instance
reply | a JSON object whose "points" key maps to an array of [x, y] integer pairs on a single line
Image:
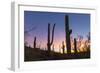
{"points": [[75, 45], [88, 41], [68, 33], [50, 41], [63, 47], [88, 36], [34, 42]]}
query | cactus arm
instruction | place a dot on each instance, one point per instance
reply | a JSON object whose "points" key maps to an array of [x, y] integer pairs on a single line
{"points": [[70, 31], [52, 34], [48, 33]]}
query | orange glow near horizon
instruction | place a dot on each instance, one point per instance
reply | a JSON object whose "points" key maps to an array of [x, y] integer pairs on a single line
{"points": [[57, 45]]}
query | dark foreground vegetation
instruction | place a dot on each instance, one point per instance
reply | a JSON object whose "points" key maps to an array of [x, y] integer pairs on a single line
{"points": [[35, 54]]}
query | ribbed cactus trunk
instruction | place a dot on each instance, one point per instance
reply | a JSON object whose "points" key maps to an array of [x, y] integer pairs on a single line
{"points": [[68, 33], [34, 42], [75, 45], [50, 41]]}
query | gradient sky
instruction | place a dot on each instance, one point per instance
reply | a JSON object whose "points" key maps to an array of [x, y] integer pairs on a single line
{"points": [[36, 24]]}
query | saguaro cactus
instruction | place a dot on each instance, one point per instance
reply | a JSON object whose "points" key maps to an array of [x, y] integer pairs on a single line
{"points": [[63, 47], [50, 41], [88, 36], [75, 45], [34, 42], [88, 42], [68, 33]]}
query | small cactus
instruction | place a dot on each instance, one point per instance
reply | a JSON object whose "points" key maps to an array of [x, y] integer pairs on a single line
{"points": [[34, 42], [63, 47], [75, 45]]}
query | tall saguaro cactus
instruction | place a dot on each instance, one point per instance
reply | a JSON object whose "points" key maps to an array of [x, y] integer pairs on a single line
{"points": [[68, 33], [50, 41], [75, 45], [34, 42]]}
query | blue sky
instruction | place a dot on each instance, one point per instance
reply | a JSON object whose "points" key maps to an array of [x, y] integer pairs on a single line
{"points": [[36, 23]]}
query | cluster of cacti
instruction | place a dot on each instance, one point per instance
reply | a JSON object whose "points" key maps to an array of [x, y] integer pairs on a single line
{"points": [[34, 42], [68, 33], [63, 47], [75, 45], [50, 41]]}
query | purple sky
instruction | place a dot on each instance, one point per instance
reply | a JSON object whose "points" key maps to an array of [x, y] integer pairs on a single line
{"points": [[36, 24]]}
